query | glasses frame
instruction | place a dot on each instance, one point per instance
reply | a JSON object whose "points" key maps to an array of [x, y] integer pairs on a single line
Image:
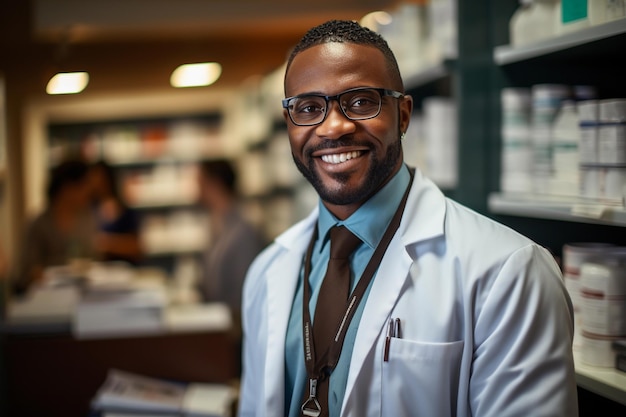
{"points": [[383, 92]]}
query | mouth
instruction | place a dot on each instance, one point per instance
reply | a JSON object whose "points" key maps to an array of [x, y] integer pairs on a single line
{"points": [[338, 158]]}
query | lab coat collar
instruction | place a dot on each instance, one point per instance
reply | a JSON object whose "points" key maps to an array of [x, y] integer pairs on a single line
{"points": [[282, 278]]}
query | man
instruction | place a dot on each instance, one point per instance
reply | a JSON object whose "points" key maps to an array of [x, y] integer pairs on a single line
{"points": [[64, 232], [462, 316], [234, 241]]}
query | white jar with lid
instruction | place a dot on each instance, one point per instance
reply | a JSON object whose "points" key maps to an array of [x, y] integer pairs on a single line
{"points": [[602, 11], [588, 115], [546, 102], [603, 293], [533, 21], [598, 350], [612, 132], [565, 153], [576, 254], [516, 153]]}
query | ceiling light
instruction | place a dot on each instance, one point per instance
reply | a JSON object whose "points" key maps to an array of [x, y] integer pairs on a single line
{"points": [[67, 83], [375, 19], [196, 75]]}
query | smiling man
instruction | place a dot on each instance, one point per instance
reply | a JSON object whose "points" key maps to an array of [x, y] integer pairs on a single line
{"points": [[441, 312]]}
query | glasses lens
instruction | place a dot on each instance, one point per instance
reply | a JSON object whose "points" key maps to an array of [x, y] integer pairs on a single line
{"points": [[307, 110], [361, 104]]}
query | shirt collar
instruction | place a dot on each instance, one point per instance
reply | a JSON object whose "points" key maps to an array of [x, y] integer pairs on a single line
{"points": [[370, 220]]}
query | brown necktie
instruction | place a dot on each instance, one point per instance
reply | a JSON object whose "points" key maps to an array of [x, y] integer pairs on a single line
{"points": [[332, 299]]}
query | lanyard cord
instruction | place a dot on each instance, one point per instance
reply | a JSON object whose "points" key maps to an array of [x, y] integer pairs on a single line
{"points": [[328, 360]]}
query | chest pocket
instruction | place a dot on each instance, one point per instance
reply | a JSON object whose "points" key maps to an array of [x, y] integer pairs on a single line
{"points": [[421, 379]]}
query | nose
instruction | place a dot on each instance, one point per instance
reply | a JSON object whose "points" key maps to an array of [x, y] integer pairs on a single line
{"points": [[336, 124]]}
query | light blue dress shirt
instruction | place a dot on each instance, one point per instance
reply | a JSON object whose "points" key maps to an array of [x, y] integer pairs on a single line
{"points": [[369, 223]]}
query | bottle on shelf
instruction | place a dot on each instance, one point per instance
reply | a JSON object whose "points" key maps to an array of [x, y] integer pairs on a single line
{"points": [[565, 140], [516, 156], [533, 21]]}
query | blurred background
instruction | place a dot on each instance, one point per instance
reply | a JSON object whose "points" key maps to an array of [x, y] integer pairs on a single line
{"points": [[510, 97]]}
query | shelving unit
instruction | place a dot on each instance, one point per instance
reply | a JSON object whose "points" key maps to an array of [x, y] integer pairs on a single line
{"points": [[609, 383], [429, 75], [507, 54], [571, 209], [155, 160], [584, 57]]}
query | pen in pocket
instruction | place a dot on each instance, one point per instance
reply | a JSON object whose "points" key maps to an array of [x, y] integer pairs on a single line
{"points": [[393, 330]]}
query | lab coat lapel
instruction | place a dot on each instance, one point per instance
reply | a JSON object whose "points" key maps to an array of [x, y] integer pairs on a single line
{"points": [[386, 288], [282, 278], [423, 219]]}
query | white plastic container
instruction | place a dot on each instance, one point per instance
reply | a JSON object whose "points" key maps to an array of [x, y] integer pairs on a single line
{"points": [[598, 350], [614, 183], [602, 11], [588, 115], [440, 133], [516, 156], [603, 294], [565, 142], [546, 102], [612, 132], [533, 21], [574, 256]]}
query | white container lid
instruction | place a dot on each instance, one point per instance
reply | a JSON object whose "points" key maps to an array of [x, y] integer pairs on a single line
{"points": [[550, 90], [613, 110], [603, 279], [515, 98], [588, 111]]}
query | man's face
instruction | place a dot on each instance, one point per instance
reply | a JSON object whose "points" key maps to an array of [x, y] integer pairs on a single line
{"points": [[370, 150]]}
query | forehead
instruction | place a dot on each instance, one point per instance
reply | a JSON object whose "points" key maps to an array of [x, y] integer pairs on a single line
{"points": [[333, 67]]}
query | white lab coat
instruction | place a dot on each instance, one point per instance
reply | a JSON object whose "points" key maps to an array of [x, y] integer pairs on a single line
{"points": [[487, 323]]}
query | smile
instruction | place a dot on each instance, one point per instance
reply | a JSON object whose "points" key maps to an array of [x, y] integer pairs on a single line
{"points": [[340, 157]]}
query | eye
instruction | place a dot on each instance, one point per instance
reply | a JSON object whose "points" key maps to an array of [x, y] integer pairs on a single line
{"points": [[362, 102], [309, 105]]}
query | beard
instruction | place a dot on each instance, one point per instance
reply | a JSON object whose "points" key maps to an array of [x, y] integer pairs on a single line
{"points": [[379, 172]]}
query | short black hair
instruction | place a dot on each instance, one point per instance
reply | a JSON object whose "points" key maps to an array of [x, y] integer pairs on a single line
{"points": [[68, 172], [351, 32], [222, 170]]}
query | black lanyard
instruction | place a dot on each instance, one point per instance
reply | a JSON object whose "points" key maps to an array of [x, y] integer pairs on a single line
{"points": [[316, 368]]}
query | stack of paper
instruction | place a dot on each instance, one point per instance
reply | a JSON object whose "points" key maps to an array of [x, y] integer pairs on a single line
{"points": [[44, 305], [114, 306], [124, 392]]}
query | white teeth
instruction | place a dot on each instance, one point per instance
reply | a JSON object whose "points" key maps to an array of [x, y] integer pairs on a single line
{"points": [[341, 157]]}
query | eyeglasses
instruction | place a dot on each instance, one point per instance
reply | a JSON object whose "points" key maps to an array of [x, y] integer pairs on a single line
{"points": [[356, 104]]}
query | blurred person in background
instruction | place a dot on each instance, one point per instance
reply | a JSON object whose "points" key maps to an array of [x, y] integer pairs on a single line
{"points": [[234, 241], [118, 236], [64, 232]]}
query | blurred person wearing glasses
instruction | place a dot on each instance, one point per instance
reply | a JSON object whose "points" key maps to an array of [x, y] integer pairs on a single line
{"points": [[450, 313]]}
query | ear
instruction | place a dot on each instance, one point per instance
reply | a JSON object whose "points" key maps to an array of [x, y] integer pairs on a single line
{"points": [[405, 107], [286, 116]]}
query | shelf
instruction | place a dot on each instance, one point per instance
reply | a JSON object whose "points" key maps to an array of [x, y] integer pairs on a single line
{"points": [[607, 382], [570, 209], [178, 203], [428, 75], [508, 54], [169, 160]]}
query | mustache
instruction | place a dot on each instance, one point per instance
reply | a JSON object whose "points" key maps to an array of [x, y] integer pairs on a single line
{"points": [[336, 143]]}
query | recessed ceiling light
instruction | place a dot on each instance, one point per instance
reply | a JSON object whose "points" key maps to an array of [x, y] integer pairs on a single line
{"points": [[375, 19], [196, 75], [67, 83]]}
